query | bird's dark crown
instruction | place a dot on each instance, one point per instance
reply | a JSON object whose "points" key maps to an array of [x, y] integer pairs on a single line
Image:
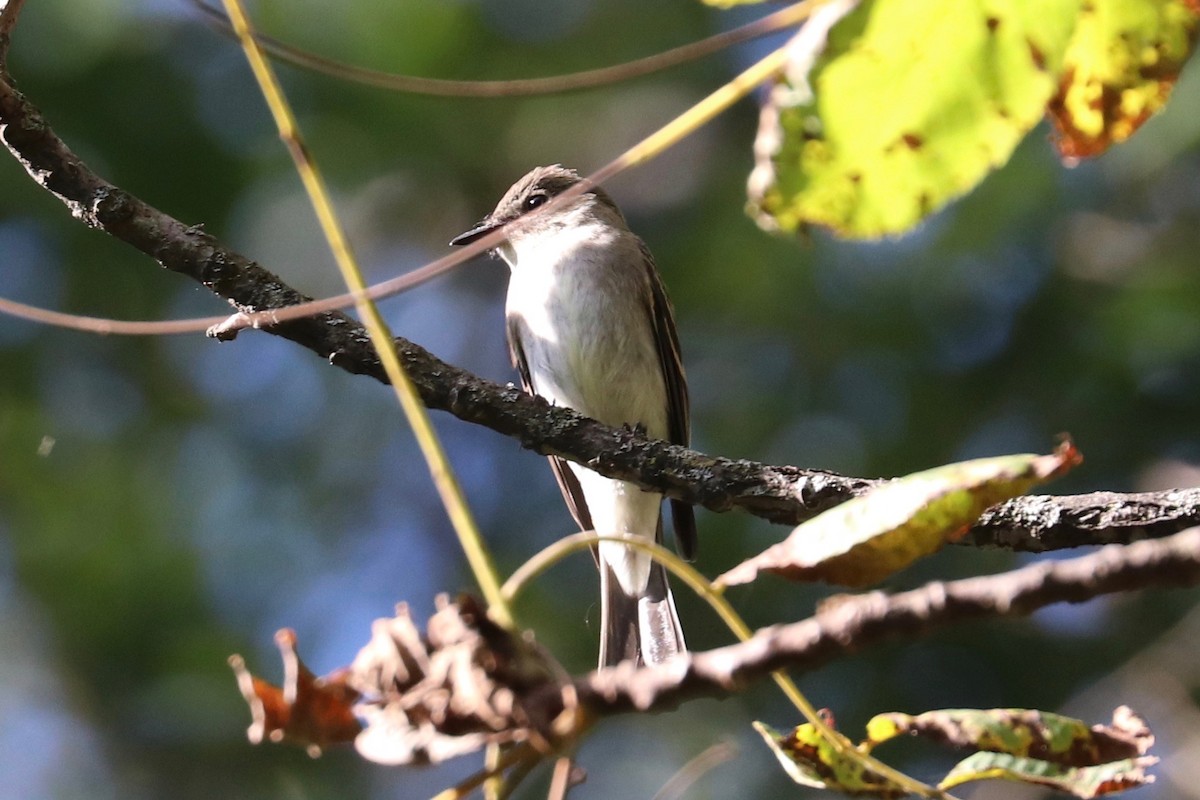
{"points": [[540, 185]]}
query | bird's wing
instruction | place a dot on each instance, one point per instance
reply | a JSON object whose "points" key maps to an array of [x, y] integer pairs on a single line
{"points": [[662, 318], [572, 492]]}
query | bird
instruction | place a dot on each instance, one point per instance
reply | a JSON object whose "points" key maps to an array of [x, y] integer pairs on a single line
{"points": [[590, 327]]}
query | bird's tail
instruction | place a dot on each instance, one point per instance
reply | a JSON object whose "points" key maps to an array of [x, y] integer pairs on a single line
{"points": [[641, 628]]}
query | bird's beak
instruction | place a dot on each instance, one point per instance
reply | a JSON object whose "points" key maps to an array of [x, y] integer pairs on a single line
{"points": [[478, 232]]}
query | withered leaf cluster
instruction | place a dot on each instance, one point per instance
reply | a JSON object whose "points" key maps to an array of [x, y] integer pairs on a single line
{"points": [[411, 697]]}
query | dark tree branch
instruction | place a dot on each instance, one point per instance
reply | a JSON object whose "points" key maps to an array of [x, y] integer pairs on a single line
{"points": [[1041, 523], [849, 623], [781, 494]]}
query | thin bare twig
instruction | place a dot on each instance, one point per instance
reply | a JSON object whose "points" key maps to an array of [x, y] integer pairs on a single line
{"points": [[589, 79]]}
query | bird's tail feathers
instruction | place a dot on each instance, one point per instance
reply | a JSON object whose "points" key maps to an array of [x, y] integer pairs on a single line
{"points": [[641, 628]]}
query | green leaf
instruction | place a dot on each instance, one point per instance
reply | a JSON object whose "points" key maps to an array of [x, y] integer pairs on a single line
{"points": [[810, 760], [1120, 68], [1085, 782], [909, 106], [864, 540]]}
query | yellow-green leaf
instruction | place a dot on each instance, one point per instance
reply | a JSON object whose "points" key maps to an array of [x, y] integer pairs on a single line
{"points": [[864, 540], [810, 760], [1119, 70], [1022, 732], [909, 106], [1085, 782]]}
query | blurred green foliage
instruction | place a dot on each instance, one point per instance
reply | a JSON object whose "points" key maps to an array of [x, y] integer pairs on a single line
{"points": [[164, 503]]}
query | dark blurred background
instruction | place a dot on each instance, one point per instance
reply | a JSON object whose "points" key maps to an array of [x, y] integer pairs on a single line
{"points": [[166, 502]]}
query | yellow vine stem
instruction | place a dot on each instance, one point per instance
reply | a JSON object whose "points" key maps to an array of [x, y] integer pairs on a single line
{"points": [[704, 111], [494, 783], [443, 475], [699, 584]]}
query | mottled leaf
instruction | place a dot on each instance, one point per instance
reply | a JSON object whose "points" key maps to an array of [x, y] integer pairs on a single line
{"points": [[907, 107], [864, 540], [1023, 732], [1119, 70], [457, 687], [425, 697]]}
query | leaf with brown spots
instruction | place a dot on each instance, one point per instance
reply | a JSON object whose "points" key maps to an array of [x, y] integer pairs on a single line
{"points": [[1082, 782], [864, 540], [1027, 733], [1119, 71], [888, 110]]}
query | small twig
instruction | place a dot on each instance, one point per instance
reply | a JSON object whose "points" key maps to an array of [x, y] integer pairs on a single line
{"points": [[712, 757], [709, 759]]}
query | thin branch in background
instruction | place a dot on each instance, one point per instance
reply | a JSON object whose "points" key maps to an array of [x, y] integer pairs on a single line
{"points": [[711, 758], [555, 84]]}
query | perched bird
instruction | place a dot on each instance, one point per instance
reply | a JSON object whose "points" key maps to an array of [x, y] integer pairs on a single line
{"points": [[590, 327]]}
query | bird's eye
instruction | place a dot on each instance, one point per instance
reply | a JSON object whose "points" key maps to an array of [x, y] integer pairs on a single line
{"points": [[535, 200]]}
